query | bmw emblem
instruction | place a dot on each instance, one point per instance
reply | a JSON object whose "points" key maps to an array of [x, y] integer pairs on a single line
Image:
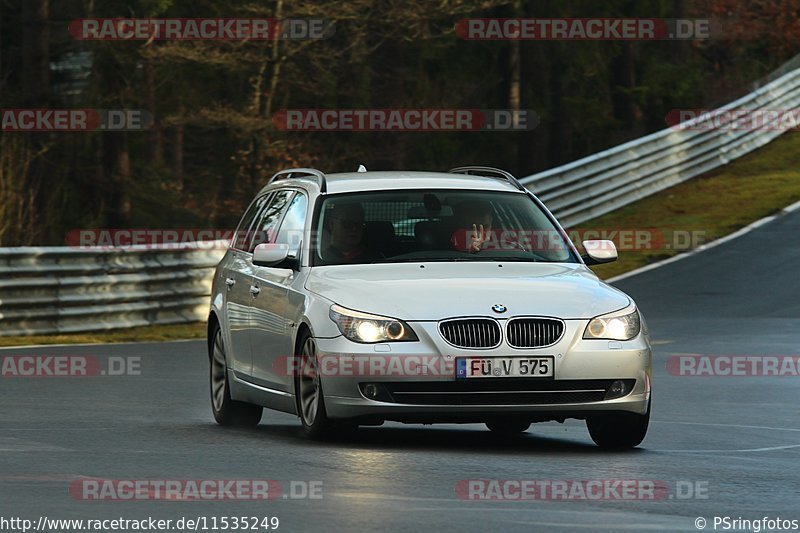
{"points": [[499, 308]]}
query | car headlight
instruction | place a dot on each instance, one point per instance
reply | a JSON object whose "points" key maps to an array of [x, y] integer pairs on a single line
{"points": [[620, 325], [367, 328]]}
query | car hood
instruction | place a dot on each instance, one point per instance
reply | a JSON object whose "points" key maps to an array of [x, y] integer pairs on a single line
{"points": [[433, 291]]}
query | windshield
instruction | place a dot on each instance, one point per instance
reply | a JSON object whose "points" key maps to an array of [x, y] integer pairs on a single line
{"points": [[435, 225]]}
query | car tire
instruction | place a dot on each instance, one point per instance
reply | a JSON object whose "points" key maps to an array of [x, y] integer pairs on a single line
{"points": [[227, 412], [619, 430], [508, 427], [309, 398]]}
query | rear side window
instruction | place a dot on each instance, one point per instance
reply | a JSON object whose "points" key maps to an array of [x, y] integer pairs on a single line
{"points": [[242, 234], [266, 226]]}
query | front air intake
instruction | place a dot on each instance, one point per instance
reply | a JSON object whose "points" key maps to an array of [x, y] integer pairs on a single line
{"points": [[476, 333], [534, 332]]}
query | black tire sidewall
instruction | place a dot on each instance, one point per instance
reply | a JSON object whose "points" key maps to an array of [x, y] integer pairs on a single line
{"points": [[219, 415], [321, 421], [623, 430], [231, 412]]}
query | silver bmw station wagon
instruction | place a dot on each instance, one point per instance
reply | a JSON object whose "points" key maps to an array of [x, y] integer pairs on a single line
{"points": [[421, 297]]}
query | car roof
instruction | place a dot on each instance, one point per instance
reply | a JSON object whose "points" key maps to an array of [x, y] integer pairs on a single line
{"points": [[344, 182]]}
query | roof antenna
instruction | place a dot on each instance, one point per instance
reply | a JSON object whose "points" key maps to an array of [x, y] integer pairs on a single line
{"points": [[361, 168]]}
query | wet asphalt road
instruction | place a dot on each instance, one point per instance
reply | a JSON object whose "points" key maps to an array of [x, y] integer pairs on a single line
{"points": [[735, 439]]}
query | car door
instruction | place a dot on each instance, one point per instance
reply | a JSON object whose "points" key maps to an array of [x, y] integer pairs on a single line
{"points": [[238, 274], [268, 315]]}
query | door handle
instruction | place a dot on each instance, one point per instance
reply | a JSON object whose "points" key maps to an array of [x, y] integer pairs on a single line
{"points": [[254, 290], [230, 282]]}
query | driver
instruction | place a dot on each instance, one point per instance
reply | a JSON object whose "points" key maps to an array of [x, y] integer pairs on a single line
{"points": [[344, 225]]}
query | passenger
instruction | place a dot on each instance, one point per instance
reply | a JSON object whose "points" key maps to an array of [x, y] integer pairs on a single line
{"points": [[474, 219]]}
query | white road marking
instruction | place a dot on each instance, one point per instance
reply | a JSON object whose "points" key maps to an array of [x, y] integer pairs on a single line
{"points": [[722, 240], [738, 426], [725, 425], [746, 450]]}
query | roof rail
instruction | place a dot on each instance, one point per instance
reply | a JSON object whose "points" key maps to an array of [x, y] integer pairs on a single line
{"points": [[290, 173], [489, 172]]}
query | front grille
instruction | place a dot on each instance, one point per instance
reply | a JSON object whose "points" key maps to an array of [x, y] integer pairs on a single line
{"points": [[471, 332], [500, 391], [534, 332]]}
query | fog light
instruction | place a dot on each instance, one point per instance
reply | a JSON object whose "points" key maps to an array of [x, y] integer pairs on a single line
{"points": [[371, 391], [616, 390]]}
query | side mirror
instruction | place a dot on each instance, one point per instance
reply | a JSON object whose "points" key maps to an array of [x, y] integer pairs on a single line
{"points": [[270, 255], [599, 252]]}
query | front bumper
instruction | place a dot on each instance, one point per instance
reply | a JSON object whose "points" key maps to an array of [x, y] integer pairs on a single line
{"points": [[582, 369]]}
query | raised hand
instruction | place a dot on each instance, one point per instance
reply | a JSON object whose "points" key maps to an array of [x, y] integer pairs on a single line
{"points": [[479, 236]]}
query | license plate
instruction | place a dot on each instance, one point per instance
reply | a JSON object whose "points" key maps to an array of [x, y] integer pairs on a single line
{"points": [[504, 367]]}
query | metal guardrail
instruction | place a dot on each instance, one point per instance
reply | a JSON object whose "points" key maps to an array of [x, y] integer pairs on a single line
{"points": [[64, 289], [608, 180]]}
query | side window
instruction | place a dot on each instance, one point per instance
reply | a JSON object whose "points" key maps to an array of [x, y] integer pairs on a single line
{"points": [[294, 222], [240, 238], [267, 224]]}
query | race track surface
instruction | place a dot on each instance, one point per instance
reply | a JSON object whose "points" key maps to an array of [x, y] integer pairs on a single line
{"points": [[736, 440]]}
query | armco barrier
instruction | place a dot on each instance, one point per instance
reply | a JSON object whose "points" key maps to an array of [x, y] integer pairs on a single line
{"points": [[63, 289], [608, 180]]}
